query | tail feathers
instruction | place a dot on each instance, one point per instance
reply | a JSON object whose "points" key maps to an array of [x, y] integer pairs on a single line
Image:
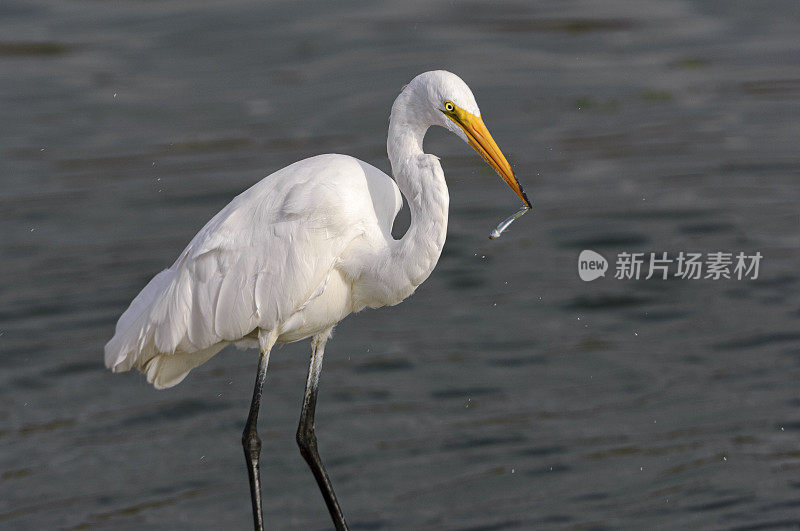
{"points": [[167, 370], [151, 335], [131, 340]]}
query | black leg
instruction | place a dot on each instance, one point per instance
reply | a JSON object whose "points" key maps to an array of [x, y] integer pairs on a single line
{"points": [[252, 443], [307, 440]]}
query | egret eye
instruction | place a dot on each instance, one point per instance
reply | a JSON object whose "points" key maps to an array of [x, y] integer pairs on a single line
{"points": [[449, 107]]}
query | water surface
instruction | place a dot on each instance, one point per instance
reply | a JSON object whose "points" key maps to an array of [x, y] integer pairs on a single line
{"points": [[507, 393]]}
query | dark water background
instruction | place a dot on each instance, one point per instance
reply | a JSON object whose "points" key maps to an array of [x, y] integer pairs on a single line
{"points": [[506, 393]]}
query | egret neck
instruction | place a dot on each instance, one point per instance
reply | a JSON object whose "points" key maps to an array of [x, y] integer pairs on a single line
{"points": [[421, 180]]}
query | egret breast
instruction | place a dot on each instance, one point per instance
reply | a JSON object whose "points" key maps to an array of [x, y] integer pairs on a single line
{"points": [[333, 303]]}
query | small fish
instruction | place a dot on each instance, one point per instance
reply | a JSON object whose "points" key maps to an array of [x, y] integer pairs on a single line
{"points": [[508, 221]]}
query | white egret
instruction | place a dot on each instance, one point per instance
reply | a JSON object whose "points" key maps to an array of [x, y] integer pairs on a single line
{"points": [[297, 252]]}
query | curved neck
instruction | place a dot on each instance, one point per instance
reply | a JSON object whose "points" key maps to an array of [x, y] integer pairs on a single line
{"points": [[421, 180]]}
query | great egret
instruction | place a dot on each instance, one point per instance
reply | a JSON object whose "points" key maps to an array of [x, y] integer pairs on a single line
{"points": [[294, 254]]}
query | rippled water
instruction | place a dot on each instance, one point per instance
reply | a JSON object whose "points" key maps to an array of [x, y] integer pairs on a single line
{"points": [[506, 393]]}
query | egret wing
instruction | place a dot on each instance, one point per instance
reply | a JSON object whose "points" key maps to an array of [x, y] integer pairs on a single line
{"points": [[252, 265]]}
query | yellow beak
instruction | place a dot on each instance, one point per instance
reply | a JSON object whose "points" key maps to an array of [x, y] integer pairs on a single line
{"points": [[481, 141]]}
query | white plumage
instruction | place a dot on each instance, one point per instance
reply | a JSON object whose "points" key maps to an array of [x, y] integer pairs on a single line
{"points": [[304, 247], [260, 263]]}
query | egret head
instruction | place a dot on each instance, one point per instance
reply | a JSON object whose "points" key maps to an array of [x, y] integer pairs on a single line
{"points": [[444, 99]]}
